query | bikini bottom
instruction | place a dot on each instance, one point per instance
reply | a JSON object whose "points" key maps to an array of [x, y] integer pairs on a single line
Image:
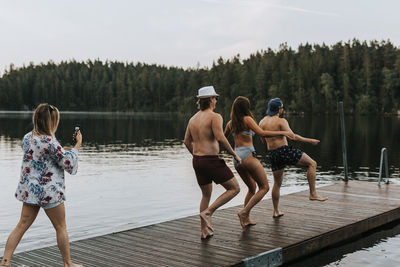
{"points": [[243, 152]]}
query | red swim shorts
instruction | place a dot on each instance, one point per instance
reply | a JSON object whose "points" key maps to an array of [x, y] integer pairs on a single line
{"points": [[211, 168]]}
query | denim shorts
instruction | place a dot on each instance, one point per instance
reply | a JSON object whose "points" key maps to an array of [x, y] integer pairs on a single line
{"points": [[45, 207]]}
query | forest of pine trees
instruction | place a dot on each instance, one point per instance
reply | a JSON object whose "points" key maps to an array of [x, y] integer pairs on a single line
{"points": [[366, 76]]}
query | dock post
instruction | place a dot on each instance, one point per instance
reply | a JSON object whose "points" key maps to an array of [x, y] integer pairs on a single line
{"points": [[343, 141], [384, 157]]}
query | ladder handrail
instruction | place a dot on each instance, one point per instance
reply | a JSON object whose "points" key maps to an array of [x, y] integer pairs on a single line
{"points": [[383, 157]]}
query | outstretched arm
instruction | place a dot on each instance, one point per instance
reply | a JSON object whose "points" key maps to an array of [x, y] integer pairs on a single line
{"points": [[188, 141], [297, 137], [312, 141], [216, 125], [265, 133]]}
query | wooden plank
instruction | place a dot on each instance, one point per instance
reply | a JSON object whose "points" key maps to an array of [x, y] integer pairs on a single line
{"points": [[144, 250], [319, 242], [213, 255], [306, 227], [24, 260]]}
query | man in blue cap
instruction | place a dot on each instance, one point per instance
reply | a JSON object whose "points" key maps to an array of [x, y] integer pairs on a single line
{"points": [[281, 154]]}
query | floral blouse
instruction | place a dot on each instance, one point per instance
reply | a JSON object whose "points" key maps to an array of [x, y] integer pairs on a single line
{"points": [[42, 170]]}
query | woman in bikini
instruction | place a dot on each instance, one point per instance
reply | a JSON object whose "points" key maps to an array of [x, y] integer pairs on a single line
{"points": [[243, 127]]}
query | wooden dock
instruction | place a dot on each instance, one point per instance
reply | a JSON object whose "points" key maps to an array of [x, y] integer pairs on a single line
{"points": [[306, 227]]}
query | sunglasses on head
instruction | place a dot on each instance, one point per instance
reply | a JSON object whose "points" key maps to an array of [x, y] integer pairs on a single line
{"points": [[51, 108]]}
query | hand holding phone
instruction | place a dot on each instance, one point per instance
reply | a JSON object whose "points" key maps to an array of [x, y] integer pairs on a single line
{"points": [[77, 137]]}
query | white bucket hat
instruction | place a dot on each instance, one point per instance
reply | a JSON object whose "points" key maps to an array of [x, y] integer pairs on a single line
{"points": [[207, 91]]}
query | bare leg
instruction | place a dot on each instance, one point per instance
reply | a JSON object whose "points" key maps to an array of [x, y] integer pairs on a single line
{"points": [[249, 181], [256, 170], [232, 189], [276, 191], [57, 218], [28, 216], [205, 200], [307, 162]]}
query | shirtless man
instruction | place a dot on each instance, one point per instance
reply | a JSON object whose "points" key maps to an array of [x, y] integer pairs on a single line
{"points": [[202, 138], [281, 154]]}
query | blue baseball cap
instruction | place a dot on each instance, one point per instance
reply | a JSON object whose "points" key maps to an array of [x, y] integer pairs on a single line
{"points": [[273, 106]]}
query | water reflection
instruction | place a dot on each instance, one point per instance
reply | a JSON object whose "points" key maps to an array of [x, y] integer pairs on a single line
{"points": [[365, 135], [375, 248], [102, 128], [134, 169]]}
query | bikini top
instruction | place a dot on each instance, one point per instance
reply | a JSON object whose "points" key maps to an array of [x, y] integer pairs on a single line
{"points": [[246, 133]]}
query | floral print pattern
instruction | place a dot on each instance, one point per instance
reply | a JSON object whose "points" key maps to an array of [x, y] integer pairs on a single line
{"points": [[42, 170], [285, 155]]}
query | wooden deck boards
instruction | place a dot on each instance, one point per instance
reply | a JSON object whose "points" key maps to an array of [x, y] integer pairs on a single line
{"points": [[306, 227]]}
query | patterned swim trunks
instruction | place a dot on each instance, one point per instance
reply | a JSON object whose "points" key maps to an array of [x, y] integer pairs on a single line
{"points": [[283, 156]]}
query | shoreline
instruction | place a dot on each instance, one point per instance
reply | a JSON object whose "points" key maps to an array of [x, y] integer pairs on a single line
{"points": [[94, 113], [161, 113]]}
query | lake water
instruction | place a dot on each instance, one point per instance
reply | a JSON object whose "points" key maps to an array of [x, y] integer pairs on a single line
{"points": [[134, 170]]}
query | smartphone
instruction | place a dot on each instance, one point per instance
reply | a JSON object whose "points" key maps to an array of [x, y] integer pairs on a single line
{"points": [[77, 128]]}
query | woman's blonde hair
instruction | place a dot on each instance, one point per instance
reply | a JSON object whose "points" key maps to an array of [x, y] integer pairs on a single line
{"points": [[45, 120]]}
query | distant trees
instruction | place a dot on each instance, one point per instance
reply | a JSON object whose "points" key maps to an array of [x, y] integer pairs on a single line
{"points": [[366, 76]]}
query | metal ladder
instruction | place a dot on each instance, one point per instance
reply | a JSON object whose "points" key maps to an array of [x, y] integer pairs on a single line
{"points": [[383, 157]]}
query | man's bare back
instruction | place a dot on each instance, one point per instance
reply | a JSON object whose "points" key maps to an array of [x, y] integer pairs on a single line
{"points": [[201, 131]]}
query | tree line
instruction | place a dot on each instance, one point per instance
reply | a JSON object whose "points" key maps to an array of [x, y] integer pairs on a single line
{"points": [[364, 75]]}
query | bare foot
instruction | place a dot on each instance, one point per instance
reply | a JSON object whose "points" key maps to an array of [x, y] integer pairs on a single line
{"points": [[277, 214], [318, 197], [5, 262], [251, 222], [244, 219], [72, 265], [206, 234], [207, 219]]}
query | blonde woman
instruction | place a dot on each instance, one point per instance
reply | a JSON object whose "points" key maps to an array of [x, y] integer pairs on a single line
{"points": [[42, 180], [243, 127]]}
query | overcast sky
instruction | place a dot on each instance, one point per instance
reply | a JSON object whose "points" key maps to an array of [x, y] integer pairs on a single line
{"points": [[182, 32]]}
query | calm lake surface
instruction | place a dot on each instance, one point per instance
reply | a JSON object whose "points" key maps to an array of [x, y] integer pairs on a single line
{"points": [[134, 170]]}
